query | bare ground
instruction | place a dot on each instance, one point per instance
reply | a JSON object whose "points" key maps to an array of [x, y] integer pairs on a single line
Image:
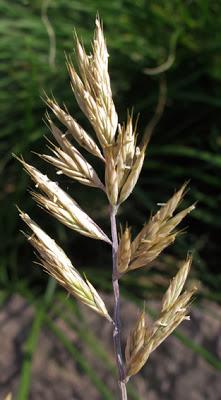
{"points": [[173, 372]]}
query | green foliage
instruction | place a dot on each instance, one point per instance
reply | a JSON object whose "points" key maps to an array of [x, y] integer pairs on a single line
{"points": [[141, 34]]}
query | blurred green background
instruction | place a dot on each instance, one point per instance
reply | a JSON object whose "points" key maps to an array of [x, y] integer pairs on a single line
{"points": [[186, 143]]}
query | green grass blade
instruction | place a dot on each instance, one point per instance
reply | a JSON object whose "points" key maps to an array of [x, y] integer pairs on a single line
{"points": [[32, 341]]}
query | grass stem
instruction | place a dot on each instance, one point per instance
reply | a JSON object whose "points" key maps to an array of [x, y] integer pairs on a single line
{"points": [[116, 319]]}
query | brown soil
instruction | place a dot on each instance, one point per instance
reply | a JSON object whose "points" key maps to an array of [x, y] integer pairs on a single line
{"points": [[173, 372]]}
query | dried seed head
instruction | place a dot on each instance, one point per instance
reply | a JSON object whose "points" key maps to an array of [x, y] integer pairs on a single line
{"points": [[173, 311], [57, 264], [73, 128], [62, 206], [158, 233], [92, 87], [124, 251], [69, 161]]}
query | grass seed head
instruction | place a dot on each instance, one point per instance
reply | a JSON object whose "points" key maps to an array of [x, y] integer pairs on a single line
{"points": [[123, 159]]}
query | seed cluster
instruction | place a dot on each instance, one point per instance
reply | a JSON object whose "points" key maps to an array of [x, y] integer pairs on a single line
{"points": [[115, 145]]}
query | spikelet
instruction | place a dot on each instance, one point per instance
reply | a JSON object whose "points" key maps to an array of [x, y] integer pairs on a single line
{"points": [[69, 161], [173, 311], [136, 338], [74, 128], [124, 251], [124, 161], [62, 206], [165, 212], [176, 285], [125, 149], [133, 176], [58, 265], [111, 180], [8, 397], [158, 233], [92, 88]]}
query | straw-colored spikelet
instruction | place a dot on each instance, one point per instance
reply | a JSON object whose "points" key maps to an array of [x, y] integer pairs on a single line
{"points": [[124, 161], [111, 177], [62, 206], [125, 149], [136, 338], [129, 157], [173, 312], [74, 128], [158, 233], [8, 397], [133, 176], [58, 265], [165, 212], [124, 251], [69, 161], [176, 285], [92, 88]]}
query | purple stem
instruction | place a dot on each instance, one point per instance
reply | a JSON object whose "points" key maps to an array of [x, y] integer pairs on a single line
{"points": [[116, 319]]}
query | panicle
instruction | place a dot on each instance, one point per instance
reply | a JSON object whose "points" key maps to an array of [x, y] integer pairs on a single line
{"points": [[57, 264]]}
